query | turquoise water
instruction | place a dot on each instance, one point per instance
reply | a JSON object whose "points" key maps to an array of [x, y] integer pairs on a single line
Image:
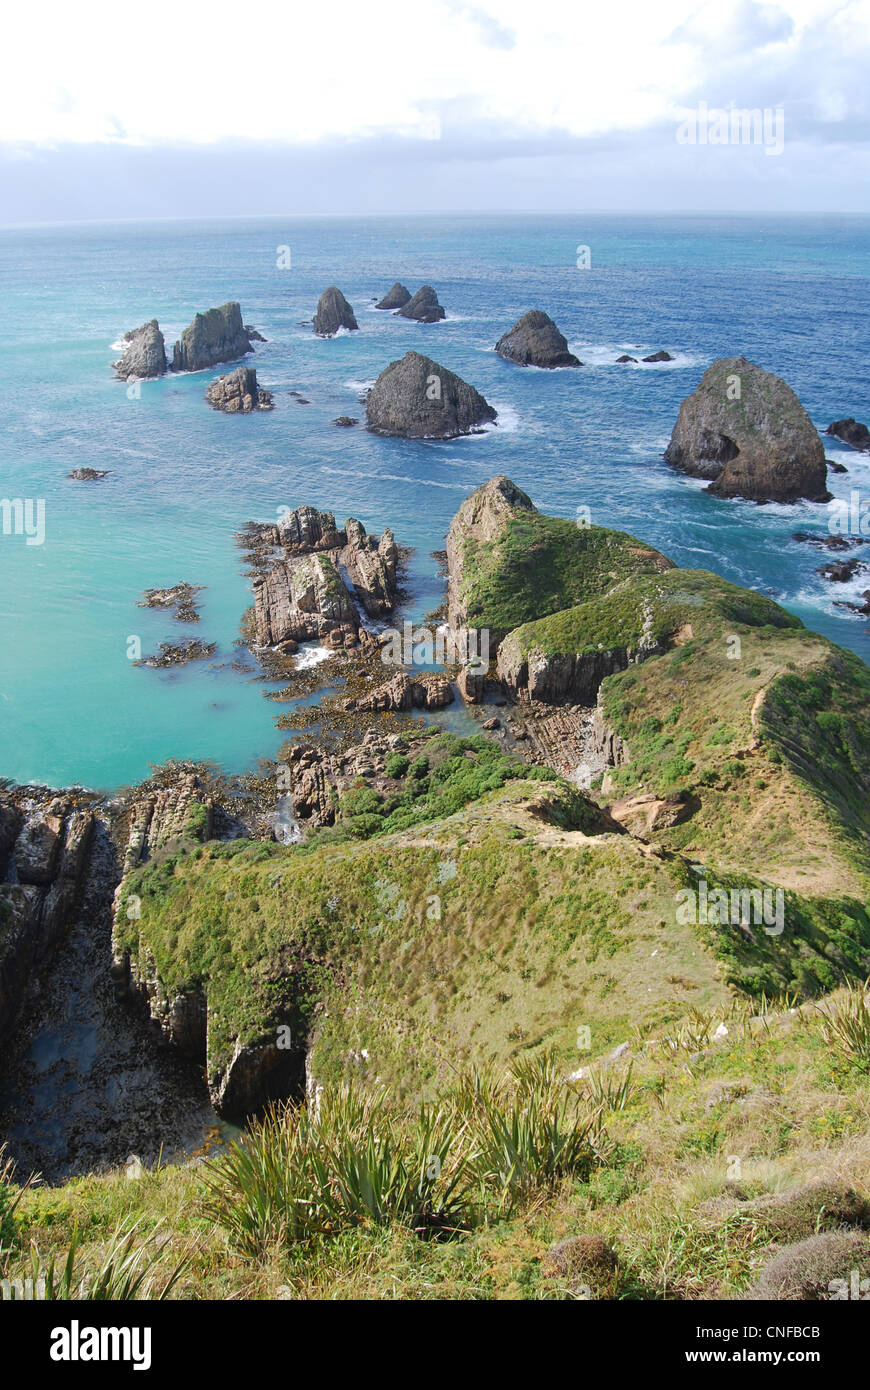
{"points": [[792, 295]]}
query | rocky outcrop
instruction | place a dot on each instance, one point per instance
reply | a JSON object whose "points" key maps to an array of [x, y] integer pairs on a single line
{"points": [[218, 335], [404, 692], [305, 595], [396, 298], [660, 356], [88, 475], [423, 306], [746, 431], [641, 815], [238, 393], [45, 843], [333, 313], [625, 358], [535, 341], [852, 432], [144, 355], [416, 398], [482, 517]]}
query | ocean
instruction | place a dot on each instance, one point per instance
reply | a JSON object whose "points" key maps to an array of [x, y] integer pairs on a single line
{"points": [[791, 294]]}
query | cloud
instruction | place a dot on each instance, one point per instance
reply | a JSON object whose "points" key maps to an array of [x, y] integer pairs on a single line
{"points": [[743, 28], [491, 32]]}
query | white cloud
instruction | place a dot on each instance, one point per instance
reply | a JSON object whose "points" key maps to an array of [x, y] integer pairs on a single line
{"points": [[300, 72]]}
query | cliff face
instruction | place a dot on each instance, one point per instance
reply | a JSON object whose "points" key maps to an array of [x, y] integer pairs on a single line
{"points": [[535, 341], [145, 353], [417, 398], [241, 1078], [746, 431], [218, 335], [44, 853], [238, 393], [333, 313]]}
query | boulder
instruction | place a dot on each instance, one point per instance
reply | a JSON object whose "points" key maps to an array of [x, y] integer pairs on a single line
{"points": [[333, 313], [423, 307], [535, 341], [396, 298], [305, 528], [746, 431], [625, 358], [852, 432], [144, 355], [416, 398], [660, 356], [216, 336], [841, 571], [237, 393]]}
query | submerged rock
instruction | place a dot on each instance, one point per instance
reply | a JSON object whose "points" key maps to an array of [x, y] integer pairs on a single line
{"points": [[238, 393], [416, 398], [333, 313], [535, 341], [423, 307], [144, 356], [746, 431], [178, 653], [88, 475], [396, 298], [216, 336], [180, 597], [852, 432], [346, 421]]}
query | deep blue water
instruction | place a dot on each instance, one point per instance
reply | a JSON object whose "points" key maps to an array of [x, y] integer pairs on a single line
{"points": [[790, 294]]}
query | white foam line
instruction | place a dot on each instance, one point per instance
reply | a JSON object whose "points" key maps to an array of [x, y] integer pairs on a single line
{"points": [[393, 478]]}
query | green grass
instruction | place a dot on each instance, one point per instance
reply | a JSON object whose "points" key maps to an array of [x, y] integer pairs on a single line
{"points": [[541, 564]]}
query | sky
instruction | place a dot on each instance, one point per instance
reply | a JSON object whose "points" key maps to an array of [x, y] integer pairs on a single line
{"points": [[194, 109]]}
